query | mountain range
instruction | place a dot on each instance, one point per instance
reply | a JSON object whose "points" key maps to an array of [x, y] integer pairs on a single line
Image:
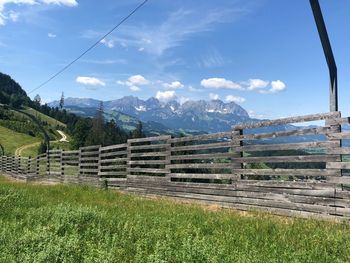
{"points": [[190, 117]]}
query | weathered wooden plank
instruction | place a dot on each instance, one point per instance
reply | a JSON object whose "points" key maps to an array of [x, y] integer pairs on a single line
{"points": [[295, 172], [88, 148], [109, 154], [204, 137], [148, 162], [342, 150], [339, 136], [148, 170], [281, 204], [336, 121], [112, 173], [88, 159], [200, 166], [201, 156], [281, 147], [339, 180], [272, 135], [200, 176], [338, 165], [290, 120], [114, 160], [286, 159], [208, 146], [150, 154], [113, 147], [150, 139], [148, 147]]}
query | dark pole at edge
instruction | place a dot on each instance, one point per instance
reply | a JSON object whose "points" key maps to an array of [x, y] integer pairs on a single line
{"points": [[327, 49]]}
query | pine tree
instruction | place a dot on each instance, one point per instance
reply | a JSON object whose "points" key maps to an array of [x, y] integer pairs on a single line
{"points": [[97, 134], [61, 101], [80, 133], [138, 132], [37, 99], [42, 148]]}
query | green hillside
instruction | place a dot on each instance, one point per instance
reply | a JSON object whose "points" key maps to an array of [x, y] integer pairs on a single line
{"points": [[40, 116], [31, 118], [12, 140]]}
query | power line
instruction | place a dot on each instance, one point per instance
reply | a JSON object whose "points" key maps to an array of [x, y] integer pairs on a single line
{"points": [[91, 47]]}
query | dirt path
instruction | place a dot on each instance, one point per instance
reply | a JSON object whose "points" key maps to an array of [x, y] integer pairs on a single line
{"points": [[19, 150], [64, 137]]}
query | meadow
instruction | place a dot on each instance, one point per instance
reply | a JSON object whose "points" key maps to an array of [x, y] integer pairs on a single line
{"points": [[61, 223], [12, 140]]}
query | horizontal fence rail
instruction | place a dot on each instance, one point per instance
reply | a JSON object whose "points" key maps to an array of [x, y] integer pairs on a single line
{"points": [[269, 165]]}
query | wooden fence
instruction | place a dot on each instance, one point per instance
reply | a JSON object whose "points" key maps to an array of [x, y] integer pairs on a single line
{"points": [[248, 168]]}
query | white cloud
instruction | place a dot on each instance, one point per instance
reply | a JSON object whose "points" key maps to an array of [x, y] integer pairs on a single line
{"points": [[134, 88], [178, 27], [61, 2], [137, 80], [213, 96], [166, 95], [254, 84], [220, 83], [108, 43], [90, 81], [141, 49], [236, 99], [277, 86], [13, 15], [173, 85], [133, 82], [51, 35]]}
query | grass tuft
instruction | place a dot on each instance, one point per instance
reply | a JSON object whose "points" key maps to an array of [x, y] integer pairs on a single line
{"points": [[81, 224]]}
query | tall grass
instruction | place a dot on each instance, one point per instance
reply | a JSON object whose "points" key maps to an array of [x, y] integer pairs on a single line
{"points": [[81, 224]]}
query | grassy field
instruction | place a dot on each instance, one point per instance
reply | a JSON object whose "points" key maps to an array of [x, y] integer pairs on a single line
{"points": [[51, 121], [80, 224], [11, 140]]}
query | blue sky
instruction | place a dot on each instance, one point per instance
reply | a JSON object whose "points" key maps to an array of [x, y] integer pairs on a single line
{"points": [[263, 54]]}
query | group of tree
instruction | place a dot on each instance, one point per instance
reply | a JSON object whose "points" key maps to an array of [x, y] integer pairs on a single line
{"points": [[98, 131], [11, 92], [84, 131]]}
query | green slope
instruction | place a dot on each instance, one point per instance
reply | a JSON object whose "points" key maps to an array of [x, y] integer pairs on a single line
{"points": [[40, 116], [12, 140]]}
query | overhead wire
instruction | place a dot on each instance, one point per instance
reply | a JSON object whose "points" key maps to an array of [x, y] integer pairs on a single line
{"points": [[90, 48]]}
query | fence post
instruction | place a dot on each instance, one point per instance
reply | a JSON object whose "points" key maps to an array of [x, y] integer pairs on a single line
{"points": [[128, 158], [37, 166], [62, 164], [29, 165], [48, 163], [236, 142], [168, 158], [335, 128]]}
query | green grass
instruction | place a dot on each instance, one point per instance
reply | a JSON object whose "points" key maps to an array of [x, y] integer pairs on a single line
{"points": [[51, 121], [11, 140], [80, 224]]}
